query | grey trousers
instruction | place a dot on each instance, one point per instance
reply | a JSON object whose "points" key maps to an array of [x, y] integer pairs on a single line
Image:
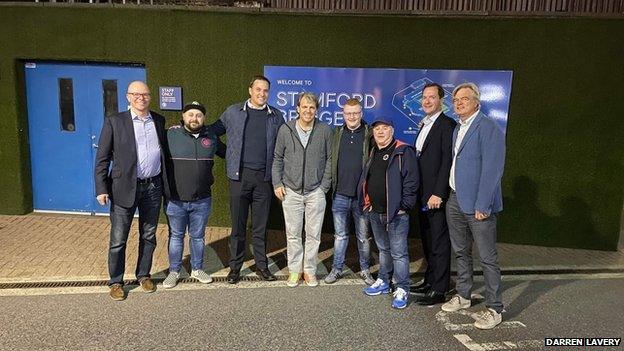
{"points": [[463, 230], [297, 207]]}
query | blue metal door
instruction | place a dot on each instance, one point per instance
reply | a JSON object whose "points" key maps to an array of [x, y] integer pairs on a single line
{"points": [[67, 104]]}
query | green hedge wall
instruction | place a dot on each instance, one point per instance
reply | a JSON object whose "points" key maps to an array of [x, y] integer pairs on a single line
{"points": [[564, 170]]}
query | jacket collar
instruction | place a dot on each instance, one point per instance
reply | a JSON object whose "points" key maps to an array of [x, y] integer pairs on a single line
{"points": [[244, 107]]}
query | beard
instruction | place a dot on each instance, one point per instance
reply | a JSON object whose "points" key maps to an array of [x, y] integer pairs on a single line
{"points": [[197, 127]]}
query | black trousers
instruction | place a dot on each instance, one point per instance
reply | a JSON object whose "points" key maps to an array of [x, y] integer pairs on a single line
{"points": [[250, 191], [436, 244]]}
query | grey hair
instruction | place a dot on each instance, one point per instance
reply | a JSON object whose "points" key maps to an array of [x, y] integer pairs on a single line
{"points": [[471, 86], [308, 96]]}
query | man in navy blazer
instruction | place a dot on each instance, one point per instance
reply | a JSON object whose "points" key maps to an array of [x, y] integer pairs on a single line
{"points": [[434, 148], [135, 142], [475, 200]]}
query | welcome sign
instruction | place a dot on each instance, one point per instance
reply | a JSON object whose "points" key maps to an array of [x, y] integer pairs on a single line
{"points": [[392, 93]]}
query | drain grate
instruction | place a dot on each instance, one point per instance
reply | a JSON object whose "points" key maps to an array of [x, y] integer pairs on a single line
{"points": [[254, 278]]}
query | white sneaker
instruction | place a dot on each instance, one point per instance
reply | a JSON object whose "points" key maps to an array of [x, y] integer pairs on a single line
{"points": [[487, 319], [171, 280], [202, 276], [456, 303]]}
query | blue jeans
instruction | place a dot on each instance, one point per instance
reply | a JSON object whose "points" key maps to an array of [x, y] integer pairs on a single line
{"points": [[343, 209], [391, 240], [148, 199], [194, 216]]}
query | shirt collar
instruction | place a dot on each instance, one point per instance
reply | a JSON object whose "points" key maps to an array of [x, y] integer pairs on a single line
{"points": [[432, 118], [468, 122], [135, 116], [248, 104]]}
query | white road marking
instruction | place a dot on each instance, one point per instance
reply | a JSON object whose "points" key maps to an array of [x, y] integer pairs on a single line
{"points": [[444, 318]]}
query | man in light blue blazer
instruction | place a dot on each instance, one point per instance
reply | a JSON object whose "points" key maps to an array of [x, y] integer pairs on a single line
{"points": [[475, 200]]}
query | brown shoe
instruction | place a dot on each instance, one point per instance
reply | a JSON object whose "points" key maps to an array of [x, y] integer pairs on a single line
{"points": [[148, 285], [117, 293]]}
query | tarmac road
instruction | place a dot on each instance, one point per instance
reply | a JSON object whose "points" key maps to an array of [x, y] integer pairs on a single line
{"points": [[271, 316]]}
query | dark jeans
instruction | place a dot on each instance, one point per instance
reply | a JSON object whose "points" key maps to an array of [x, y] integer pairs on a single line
{"points": [[252, 191], [148, 200], [436, 244]]}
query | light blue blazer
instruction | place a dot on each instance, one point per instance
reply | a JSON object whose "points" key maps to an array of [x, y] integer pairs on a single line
{"points": [[479, 166]]}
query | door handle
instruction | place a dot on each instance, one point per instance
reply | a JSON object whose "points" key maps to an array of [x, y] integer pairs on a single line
{"points": [[95, 146]]}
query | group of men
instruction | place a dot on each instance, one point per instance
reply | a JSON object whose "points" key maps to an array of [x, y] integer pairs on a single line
{"points": [[450, 178]]}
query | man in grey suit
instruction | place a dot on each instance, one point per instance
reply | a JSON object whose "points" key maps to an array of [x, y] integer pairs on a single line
{"points": [[475, 200]]}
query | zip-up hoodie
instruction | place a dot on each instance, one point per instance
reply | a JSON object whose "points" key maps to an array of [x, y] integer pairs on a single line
{"points": [[190, 174], [402, 181], [301, 169]]}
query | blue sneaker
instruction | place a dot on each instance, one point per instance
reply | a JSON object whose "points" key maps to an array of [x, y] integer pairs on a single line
{"points": [[379, 287], [400, 299]]}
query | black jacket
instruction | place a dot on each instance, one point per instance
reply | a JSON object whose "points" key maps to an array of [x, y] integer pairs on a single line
{"points": [[117, 145], [190, 162], [436, 158]]}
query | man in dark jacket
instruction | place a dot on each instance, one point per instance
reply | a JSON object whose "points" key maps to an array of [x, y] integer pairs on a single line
{"points": [[251, 128], [192, 148], [388, 190], [134, 142], [435, 155], [350, 149]]}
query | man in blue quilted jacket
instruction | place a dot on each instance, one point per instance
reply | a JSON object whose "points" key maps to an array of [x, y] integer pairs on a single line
{"points": [[251, 128]]}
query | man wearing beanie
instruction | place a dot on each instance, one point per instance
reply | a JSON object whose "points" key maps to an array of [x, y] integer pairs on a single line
{"points": [[192, 148], [251, 128]]}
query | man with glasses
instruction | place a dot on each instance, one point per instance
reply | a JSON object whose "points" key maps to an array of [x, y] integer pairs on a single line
{"points": [[350, 148], [475, 199], [135, 142]]}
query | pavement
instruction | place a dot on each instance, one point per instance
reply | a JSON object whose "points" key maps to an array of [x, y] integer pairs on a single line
{"points": [[40, 248]]}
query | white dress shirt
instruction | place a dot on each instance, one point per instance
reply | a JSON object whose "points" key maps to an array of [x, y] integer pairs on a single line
{"points": [[424, 130], [463, 128]]}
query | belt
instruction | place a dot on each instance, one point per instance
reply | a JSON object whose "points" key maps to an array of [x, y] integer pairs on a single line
{"points": [[148, 180]]}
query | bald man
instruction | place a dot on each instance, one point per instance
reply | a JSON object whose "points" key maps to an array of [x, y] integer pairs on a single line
{"points": [[134, 141]]}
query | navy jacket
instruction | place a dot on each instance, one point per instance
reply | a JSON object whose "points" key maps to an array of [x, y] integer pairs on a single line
{"points": [[233, 122], [401, 181]]}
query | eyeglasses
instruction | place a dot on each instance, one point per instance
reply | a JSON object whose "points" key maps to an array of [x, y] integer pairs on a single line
{"points": [[353, 114], [463, 99], [138, 95]]}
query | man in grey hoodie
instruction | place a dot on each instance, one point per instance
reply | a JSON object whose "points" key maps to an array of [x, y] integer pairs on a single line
{"points": [[301, 177]]}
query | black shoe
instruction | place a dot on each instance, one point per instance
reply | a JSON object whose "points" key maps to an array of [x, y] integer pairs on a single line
{"points": [[431, 298], [422, 288], [265, 274], [233, 277]]}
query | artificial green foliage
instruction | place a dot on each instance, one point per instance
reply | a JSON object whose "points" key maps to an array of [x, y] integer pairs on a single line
{"points": [[564, 167]]}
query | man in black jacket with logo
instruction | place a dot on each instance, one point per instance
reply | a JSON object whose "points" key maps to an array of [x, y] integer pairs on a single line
{"points": [[192, 147]]}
